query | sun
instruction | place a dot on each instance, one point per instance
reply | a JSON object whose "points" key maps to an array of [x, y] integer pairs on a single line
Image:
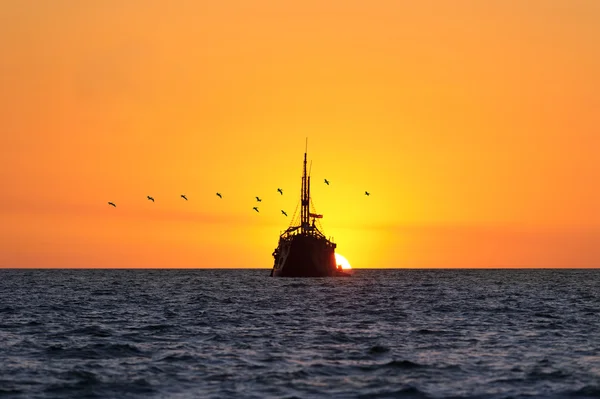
{"points": [[340, 260]]}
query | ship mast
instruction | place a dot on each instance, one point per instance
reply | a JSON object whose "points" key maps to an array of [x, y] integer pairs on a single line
{"points": [[304, 215]]}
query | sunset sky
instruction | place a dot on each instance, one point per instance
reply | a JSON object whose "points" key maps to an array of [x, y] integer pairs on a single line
{"points": [[475, 126]]}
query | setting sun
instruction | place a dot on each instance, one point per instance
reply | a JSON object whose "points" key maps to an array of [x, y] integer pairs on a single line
{"points": [[340, 260]]}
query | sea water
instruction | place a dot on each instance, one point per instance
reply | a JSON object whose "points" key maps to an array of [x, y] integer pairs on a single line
{"points": [[218, 333]]}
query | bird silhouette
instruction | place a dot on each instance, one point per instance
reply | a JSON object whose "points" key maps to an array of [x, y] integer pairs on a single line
{"points": [[219, 194], [110, 203], [367, 193], [184, 197], [282, 211], [255, 208], [326, 181], [258, 199], [150, 198], [280, 191]]}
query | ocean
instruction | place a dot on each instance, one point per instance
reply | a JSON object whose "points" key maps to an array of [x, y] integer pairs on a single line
{"points": [[222, 333]]}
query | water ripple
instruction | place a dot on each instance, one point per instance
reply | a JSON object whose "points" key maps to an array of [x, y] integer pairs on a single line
{"points": [[238, 333]]}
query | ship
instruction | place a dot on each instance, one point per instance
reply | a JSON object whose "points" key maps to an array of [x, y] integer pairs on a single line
{"points": [[303, 250]]}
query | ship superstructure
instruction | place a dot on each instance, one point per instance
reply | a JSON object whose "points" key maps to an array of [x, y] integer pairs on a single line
{"points": [[303, 249]]}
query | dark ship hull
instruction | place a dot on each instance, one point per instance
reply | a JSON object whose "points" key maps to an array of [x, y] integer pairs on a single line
{"points": [[304, 256], [303, 250]]}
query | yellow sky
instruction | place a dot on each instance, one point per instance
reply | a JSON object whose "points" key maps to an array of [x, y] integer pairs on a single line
{"points": [[474, 125]]}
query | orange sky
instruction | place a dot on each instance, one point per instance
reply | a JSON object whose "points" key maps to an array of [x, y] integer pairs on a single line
{"points": [[474, 124]]}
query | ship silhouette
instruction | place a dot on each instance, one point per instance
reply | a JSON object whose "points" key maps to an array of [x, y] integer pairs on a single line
{"points": [[303, 250]]}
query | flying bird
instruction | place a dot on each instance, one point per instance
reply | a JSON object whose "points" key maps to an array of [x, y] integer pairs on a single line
{"points": [[280, 191], [184, 197], [326, 181], [367, 193], [110, 203], [282, 211], [255, 208], [258, 199], [150, 198], [219, 194]]}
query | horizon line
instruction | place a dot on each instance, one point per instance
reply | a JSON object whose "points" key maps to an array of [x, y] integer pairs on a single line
{"points": [[269, 268]]}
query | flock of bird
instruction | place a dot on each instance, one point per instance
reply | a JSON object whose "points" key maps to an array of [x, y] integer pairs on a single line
{"points": [[279, 190]]}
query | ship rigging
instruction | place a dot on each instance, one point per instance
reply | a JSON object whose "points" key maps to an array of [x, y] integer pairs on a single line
{"points": [[303, 250]]}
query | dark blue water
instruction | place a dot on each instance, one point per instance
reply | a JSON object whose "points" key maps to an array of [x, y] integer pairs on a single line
{"points": [[239, 333]]}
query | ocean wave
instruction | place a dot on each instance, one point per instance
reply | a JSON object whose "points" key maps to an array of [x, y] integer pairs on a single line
{"points": [[379, 349], [94, 351], [238, 333], [588, 391], [93, 330], [392, 364], [385, 393]]}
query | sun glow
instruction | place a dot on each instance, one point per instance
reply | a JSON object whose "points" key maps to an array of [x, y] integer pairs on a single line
{"points": [[340, 260]]}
